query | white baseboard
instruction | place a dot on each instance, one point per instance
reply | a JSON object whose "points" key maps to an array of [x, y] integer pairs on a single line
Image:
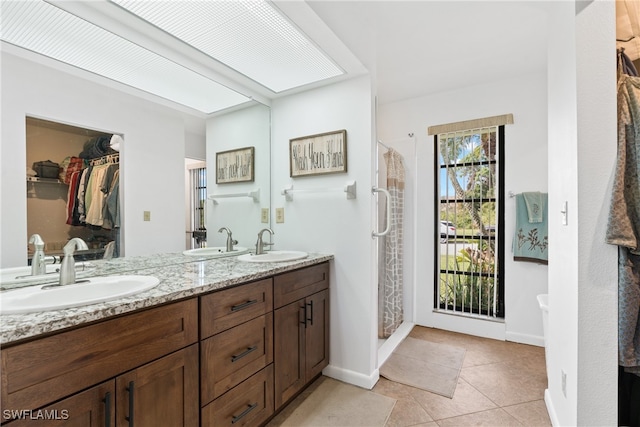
{"points": [[352, 377], [524, 338], [550, 409]]}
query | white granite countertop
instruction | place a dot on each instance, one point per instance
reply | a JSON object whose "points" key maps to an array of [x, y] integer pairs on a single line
{"points": [[180, 277]]}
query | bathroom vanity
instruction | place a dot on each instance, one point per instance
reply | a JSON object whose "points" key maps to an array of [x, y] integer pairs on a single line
{"points": [[217, 342]]}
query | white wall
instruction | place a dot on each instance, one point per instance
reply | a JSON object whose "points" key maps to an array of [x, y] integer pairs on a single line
{"points": [[152, 158], [526, 170], [249, 127], [328, 222], [583, 275]]}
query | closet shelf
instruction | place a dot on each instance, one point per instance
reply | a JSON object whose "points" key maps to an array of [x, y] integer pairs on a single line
{"points": [[44, 180]]}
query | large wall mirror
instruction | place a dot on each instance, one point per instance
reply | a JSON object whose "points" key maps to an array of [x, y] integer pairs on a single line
{"points": [[72, 187], [242, 205]]}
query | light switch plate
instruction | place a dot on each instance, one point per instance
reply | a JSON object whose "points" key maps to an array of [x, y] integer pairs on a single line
{"points": [[279, 215], [264, 215], [147, 215]]}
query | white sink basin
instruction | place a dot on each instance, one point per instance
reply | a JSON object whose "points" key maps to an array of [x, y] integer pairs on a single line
{"points": [[89, 291], [216, 252], [22, 275], [274, 256]]}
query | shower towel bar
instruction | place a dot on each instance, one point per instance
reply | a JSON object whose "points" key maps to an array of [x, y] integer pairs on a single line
{"points": [[255, 195], [349, 188]]}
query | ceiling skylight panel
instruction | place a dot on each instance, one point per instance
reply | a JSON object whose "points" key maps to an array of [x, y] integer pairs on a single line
{"points": [[47, 30], [248, 36]]}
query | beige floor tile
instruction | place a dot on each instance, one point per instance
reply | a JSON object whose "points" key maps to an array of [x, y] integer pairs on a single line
{"points": [[493, 418], [338, 404], [533, 363], [505, 385], [501, 384], [466, 400], [407, 412], [392, 389], [493, 351], [293, 405], [532, 414]]}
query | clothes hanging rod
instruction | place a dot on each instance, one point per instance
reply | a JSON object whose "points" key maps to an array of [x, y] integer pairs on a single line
{"points": [[255, 195], [108, 158], [410, 135], [384, 145], [349, 188]]}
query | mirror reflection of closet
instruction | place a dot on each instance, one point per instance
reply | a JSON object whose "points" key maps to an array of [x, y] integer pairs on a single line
{"points": [[49, 211]]}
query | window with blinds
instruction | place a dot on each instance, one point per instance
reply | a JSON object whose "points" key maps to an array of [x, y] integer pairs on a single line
{"points": [[469, 221], [198, 200]]}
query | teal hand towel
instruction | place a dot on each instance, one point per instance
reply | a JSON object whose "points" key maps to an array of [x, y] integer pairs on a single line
{"points": [[533, 200], [530, 241]]}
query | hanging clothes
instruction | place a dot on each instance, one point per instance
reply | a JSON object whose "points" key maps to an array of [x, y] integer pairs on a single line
{"points": [[623, 228], [390, 267]]}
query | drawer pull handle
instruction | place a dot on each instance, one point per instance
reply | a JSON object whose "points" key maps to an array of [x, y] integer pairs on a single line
{"points": [[130, 417], [250, 408], [243, 305], [107, 409], [244, 353], [310, 318], [304, 315]]}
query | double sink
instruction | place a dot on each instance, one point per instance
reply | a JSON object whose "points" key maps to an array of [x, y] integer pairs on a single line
{"points": [[41, 293]]}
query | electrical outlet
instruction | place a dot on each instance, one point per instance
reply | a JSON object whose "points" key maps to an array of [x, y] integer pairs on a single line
{"points": [[279, 215], [564, 382], [264, 215], [147, 215]]}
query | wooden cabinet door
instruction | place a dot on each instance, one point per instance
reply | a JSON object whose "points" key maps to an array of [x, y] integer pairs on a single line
{"points": [[316, 334], [94, 407], [289, 351], [160, 393]]}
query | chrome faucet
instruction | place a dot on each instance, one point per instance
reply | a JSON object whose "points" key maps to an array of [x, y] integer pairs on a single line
{"points": [[38, 266], [230, 241], [68, 266], [260, 244], [108, 250]]}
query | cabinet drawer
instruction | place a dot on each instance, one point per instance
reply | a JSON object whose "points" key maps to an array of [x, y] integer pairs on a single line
{"points": [[290, 287], [41, 371], [232, 356], [250, 403], [225, 309]]}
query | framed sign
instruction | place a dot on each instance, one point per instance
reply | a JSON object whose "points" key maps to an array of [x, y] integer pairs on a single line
{"points": [[318, 154], [235, 165]]}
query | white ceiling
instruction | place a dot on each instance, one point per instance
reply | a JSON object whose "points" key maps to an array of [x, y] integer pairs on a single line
{"points": [[411, 48], [420, 47], [427, 46]]}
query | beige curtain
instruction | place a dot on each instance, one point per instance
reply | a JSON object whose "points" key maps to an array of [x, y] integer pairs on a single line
{"points": [[390, 260]]}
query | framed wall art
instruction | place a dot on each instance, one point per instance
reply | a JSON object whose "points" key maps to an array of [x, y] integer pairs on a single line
{"points": [[318, 154], [235, 165]]}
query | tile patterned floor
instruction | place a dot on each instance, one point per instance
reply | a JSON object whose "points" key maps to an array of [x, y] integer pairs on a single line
{"points": [[501, 384]]}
